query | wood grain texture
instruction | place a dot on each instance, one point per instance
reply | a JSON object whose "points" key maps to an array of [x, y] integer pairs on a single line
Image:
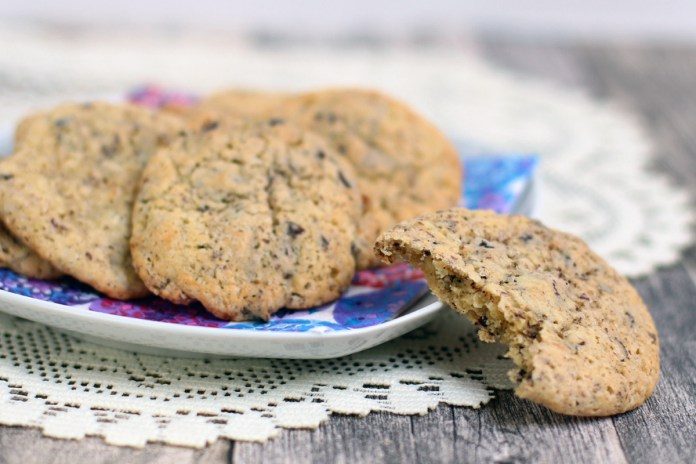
{"points": [[512, 430], [20, 445], [383, 438], [659, 85]]}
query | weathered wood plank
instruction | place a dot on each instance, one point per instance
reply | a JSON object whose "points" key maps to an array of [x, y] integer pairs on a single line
{"points": [[663, 429], [379, 437], [514, 430], [23, 446], [670, 294], [511, 430], [656, 85], [551, 61]]}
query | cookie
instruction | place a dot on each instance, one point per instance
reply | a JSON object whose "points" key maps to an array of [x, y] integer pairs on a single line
{"points": [[67, 192], [246, 219], [405, 166], [21, 130], [13, 253], [18, 257], [581, 336], [242, 103], [235, 106]]}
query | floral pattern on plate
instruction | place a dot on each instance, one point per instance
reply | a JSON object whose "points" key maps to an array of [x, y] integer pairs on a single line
{"points": [[65, 291], [375, 296]]}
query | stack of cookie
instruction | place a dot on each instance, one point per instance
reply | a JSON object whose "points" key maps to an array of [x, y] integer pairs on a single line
{"points": [[248, 202], [251, 202]]}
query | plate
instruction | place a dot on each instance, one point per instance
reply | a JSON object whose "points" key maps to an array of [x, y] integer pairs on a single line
{"points": [[380, 305]]}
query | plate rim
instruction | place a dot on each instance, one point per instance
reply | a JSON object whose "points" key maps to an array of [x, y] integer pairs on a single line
{"points": [[125, 322], [39, 307]]}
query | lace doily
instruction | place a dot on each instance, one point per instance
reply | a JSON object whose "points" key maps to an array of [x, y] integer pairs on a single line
{"points": [[593, 181], [71, 389]]}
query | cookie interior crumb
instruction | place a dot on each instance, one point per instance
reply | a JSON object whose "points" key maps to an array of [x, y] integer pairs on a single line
{"points": [[465, 297], [580, 335]]}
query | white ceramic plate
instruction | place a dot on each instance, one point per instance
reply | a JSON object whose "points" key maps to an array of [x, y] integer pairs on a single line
{"points": [[317, 333], [164, 338]]}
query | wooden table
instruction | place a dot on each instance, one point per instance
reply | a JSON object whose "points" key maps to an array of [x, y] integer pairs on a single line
{"points": [[659, 84]]}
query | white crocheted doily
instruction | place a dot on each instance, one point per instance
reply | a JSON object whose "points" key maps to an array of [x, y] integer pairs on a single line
{"points": [[71, 389], [594, 182]]}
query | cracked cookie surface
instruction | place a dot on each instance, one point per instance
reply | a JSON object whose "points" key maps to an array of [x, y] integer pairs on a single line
{"points": [[246, 219], [580, 334], [68, 189], [404, 165]]}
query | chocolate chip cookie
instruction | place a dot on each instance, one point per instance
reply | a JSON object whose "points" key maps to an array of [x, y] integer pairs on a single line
{"points": [[18, 257], [581, 336], [68, 190], [246, 218], [404, 165], [243, 103], [15, 254]]}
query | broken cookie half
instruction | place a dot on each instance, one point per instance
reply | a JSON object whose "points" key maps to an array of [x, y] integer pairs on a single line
{"points": [[580, 335]]}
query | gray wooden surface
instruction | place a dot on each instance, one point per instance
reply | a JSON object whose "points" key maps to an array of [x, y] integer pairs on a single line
{"points": [[657, 82]]}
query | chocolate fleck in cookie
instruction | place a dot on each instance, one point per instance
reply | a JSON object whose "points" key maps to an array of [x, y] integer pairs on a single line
{"points": [[18, 257], [237, 106], [246, 219], [404, 165], [580, 334], [13, 253], [67, 192]]}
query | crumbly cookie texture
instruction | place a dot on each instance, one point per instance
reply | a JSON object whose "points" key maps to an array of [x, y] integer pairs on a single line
{"points": [[18, 257], [246, 219], [67, 192], [580, 334], [404, 165]]}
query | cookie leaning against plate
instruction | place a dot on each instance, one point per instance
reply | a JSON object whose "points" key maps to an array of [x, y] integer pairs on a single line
{"points": [[580, 334], [67, 192], [246, 219], [405, 166]]}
